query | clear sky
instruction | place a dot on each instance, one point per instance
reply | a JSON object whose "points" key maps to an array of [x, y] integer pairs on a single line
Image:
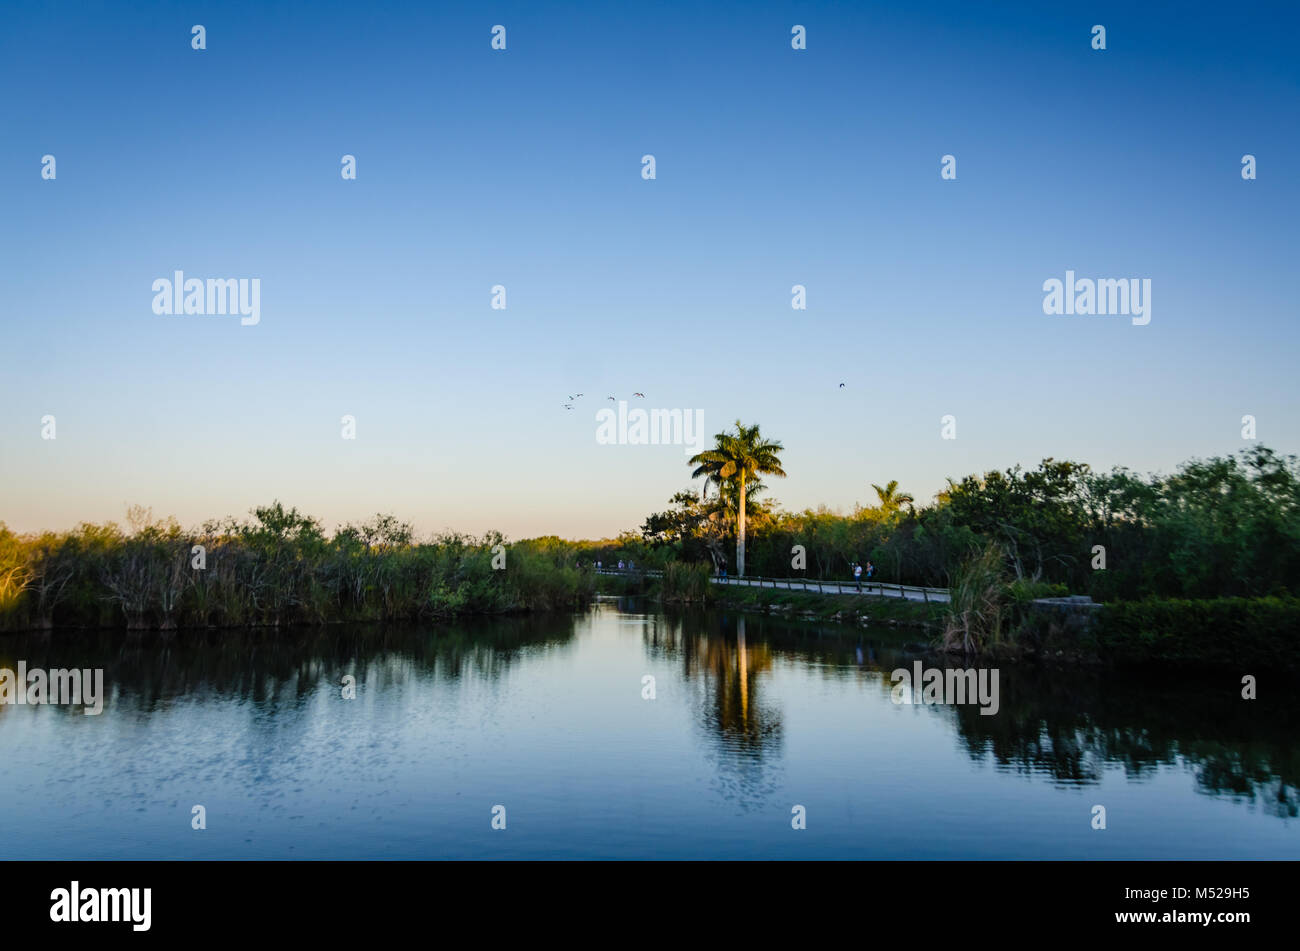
{"points": [[522, 167]]}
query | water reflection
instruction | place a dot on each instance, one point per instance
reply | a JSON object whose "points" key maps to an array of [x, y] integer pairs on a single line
{"points": [[284, 668], [1070, 725], [1064, 724], [726, 671], [738, 678]]}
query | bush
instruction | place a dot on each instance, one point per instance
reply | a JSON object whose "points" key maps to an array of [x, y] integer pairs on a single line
{"points": [[688, 581], [978, 603]]}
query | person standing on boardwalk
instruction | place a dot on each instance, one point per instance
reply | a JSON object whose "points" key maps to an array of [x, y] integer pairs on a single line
{"points": [[857, 574]]}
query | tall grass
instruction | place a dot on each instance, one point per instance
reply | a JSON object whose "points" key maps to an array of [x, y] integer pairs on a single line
{"points": [[277, 569], [978, 606], [687, 581]]}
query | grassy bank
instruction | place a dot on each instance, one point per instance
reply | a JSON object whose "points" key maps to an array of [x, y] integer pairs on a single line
{"points": [[280, 568], [277, 569], [990, 616]]}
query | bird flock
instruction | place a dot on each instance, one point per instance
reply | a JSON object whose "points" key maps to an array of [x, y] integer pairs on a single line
{"points": [[612, 399]]}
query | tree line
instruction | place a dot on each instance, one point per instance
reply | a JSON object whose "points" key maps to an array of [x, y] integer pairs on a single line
{"points": [[277, 568], [1228, 526]]}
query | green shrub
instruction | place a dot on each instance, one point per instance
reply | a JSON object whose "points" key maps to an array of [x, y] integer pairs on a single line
{"points": [[978, 604], [687, 581]]}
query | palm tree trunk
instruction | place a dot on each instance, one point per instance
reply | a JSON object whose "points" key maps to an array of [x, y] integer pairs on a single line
{"points": [[740, 532], [743, 663]]}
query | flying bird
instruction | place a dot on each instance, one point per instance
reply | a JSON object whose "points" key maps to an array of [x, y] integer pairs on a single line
{"points": [[611, 399], [841, 386], [641, 395]]}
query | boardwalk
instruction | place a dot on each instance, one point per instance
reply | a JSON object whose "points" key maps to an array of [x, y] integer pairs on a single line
{"points": [[907, 592]]}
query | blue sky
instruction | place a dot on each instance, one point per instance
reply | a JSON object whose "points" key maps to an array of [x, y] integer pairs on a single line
{"points": [[775, 167]]}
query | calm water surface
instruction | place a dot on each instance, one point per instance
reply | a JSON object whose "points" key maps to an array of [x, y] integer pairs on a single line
{"points": [[545, 716]]}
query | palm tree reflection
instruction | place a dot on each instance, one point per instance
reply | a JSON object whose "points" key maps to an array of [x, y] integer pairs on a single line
{"points": [[725, 673], [1065, 726]]}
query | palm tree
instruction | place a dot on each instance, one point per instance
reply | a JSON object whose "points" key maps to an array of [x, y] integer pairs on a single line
{"points": [[739, 457], [891, 500], [727, 497]]}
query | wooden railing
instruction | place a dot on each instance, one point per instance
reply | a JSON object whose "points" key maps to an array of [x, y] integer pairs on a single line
{"points": [[882, 589]]}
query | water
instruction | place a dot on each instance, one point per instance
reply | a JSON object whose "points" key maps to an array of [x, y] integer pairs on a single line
{"points": [[545, 717]]}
